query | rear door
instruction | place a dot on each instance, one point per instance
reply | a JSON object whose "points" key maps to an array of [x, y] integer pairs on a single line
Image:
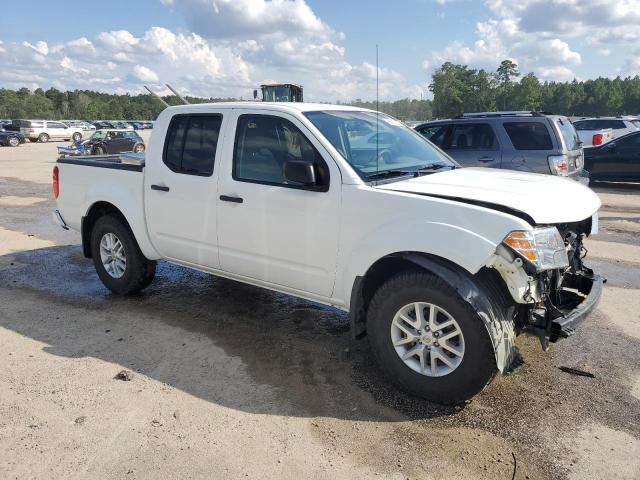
{"points": [[474, 145], [181, 190]]}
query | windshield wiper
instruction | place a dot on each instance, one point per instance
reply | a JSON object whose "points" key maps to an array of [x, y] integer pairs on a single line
{"points": [[435, 166], [389, 173]]}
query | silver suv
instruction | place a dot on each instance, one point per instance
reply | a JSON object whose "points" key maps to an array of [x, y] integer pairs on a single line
{"points": [[45, 130], [526, 141]]}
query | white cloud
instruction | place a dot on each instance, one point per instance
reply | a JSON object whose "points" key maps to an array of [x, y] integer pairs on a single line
{"points": [[232, 47], [145, 74], [234, 18], [40, 47], [545, 52]]}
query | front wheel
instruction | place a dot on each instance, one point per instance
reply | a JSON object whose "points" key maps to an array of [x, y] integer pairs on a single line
{"points": [[76, 137], [118, 260], [138, 148], [14, 141], [428, 340], [98, 151], [43, 138]]}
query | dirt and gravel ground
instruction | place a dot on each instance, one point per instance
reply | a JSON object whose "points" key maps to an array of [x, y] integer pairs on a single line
{"points": [[230, 381]]}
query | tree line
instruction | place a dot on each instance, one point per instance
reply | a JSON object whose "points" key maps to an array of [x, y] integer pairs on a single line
{"points": [[54, 104], [456, 89]]}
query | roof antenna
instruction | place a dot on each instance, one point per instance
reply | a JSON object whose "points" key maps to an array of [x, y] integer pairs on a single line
{"points": [[377, 114], [157, 96], [184, 101]]}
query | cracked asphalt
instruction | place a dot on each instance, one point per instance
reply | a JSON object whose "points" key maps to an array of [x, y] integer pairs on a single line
{"points": [[231, 381]]}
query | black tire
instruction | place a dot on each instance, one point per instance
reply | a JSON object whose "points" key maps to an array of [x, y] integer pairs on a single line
{"points": [[138, 148], [139, 271], [76, 137], [97, 151], [478, 365], [43, 137], [13, 142]]}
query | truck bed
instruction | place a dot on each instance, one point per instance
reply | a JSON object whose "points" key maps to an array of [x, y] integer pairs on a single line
{"points": [[124, 161]]}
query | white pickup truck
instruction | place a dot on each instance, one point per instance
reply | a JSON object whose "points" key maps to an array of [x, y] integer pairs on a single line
{"points": [[440, 266]]}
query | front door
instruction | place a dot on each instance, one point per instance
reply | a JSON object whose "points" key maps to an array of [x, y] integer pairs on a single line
{"points": [[271, 229], [181, 191]]}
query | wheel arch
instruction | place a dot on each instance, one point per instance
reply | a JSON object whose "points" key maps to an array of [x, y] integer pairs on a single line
{"points": [[481, 291], [101, 208], [96, 211]]}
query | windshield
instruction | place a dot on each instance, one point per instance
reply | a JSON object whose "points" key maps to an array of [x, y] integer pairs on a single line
{"points": [[391, 147], [99, 135], [569, 134]]}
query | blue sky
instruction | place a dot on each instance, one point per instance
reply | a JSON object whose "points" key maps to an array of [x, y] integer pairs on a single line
{"points": [[225, 47]]}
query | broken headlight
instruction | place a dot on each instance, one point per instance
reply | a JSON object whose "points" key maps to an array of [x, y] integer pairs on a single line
{"points": [[542, 247]]}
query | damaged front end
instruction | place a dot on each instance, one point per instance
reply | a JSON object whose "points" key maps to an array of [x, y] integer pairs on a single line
{"points": [[547, 278]]}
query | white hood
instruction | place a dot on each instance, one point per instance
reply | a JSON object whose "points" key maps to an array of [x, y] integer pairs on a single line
{"points": [[545, 198]]}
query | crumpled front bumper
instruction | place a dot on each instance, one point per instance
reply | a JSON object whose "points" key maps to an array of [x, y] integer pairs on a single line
{"points": [[589, 290]]}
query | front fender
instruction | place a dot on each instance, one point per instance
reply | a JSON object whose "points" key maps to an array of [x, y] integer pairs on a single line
{"points": [[499, 325]]}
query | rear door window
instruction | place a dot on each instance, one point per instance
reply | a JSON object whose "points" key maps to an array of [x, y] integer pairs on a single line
{"points": [[191, 144], [436, 134], [473, 136], [529, 135], [569, 134], [56, 125]]}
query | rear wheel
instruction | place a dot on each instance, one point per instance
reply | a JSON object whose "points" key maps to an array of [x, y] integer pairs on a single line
{"points": [[428, 340], [98, 150], [43, 137], [14, 141], [117, 257]]}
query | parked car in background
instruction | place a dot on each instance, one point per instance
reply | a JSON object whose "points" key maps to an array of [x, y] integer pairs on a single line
{"points": [[525, 141], [439, 266], [101, 124], [110, 141], [121, 125], [137, 125], [619, 125], [616, 160], [85, 126], [45, 130], [11, 139], [148, 125], [593, 138]]}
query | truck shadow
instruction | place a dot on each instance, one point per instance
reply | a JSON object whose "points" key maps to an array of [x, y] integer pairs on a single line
{"points": [[240, 346]]}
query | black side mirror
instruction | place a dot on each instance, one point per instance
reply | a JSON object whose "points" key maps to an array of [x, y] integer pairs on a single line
{"points": [[611, 146], [300, 172]]}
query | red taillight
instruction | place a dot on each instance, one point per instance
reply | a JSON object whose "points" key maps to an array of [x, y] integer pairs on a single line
{"points": [[30, 130], [56, 182], [597, 139]]}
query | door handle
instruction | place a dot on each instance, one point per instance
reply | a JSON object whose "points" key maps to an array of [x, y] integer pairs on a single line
{"points": [[160, 188], [485, 159], [227, 198]]}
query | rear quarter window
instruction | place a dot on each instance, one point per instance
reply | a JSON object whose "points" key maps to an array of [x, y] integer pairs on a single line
{"points": [[529, 135]]}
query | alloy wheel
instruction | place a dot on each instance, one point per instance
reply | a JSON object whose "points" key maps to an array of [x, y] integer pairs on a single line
{"points": [[427, 339]]}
